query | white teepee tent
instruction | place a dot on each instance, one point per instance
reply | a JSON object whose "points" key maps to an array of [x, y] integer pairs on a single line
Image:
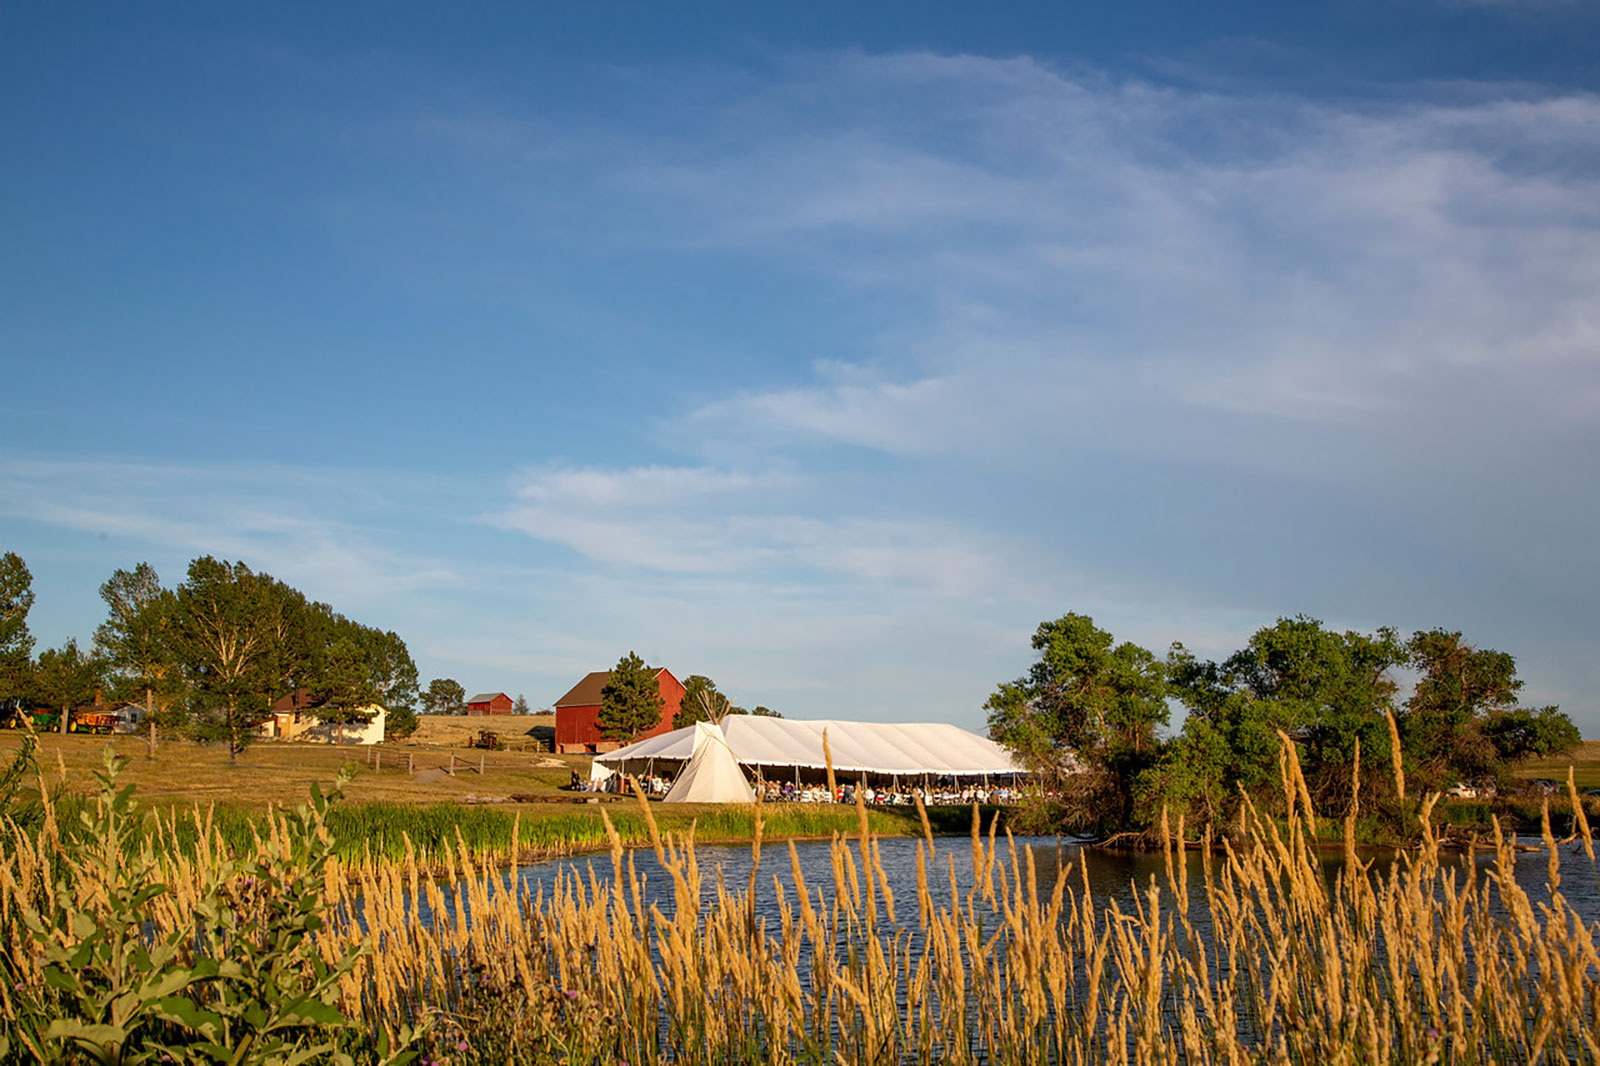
{"points": [[712, 774]]}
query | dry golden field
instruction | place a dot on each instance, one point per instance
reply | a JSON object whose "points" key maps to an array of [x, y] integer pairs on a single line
{"points": [[279, 773], [1584, 760]]}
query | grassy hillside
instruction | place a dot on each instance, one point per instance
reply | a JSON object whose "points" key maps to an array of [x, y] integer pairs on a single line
{"points": [[518, 794]]}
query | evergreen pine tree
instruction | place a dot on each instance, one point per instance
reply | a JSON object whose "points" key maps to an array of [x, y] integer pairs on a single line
{"points": [[631, 702]]}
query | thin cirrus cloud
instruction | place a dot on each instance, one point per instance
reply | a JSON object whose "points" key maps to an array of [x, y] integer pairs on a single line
{"points": [[1126, 250], [1388, 300], [706, 521], [319, 528], [1040, 340]]}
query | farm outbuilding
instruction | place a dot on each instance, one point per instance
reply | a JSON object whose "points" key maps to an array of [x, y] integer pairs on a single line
{"points": [[294, 717], [490, 703], [577, 713]]}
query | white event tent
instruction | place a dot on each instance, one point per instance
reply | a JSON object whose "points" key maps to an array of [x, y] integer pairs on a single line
{"points": [[780, 748]]}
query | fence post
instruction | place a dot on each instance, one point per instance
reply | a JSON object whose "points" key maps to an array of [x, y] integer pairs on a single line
{"points": [[480, 764], [452, 764], [377, 759], [411, 762]]}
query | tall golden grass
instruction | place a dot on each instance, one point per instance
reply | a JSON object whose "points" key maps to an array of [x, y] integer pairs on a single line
{"points": [[1271, 959]]}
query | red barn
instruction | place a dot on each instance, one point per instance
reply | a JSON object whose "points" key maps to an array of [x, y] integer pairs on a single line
{"points": [[490, 703], [576, 729]]}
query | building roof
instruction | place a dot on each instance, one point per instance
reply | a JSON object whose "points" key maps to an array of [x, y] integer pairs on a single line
{"points": [[300, 699], [856, 747], [586, 693], [488, 697]]}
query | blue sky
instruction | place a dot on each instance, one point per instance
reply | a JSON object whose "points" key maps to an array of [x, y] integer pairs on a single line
{"points": [[824, 350]]}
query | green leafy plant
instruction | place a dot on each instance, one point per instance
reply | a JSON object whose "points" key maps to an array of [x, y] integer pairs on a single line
{"points": [[245, 983]]}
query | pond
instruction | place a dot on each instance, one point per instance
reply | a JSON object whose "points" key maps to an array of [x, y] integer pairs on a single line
{"points": [[1112, 875]]}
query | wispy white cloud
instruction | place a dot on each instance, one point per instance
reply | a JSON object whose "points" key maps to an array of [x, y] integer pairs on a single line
{"points": [[321, 529], [1124, 251], [1183, 359], [699, 520]]}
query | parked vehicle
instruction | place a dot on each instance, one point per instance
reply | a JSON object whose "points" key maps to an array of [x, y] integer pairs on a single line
{"points": [[12, 716], [98, 723]]}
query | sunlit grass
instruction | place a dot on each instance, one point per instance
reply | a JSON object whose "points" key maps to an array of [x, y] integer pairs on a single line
{"points": [[1258, 957]]}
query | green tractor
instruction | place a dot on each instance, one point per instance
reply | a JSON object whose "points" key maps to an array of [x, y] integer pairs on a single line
{"points": [[13, 716]]}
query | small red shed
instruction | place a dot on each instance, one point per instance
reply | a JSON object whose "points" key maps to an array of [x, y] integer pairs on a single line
{"points": [[490, 703], [578, 732]]}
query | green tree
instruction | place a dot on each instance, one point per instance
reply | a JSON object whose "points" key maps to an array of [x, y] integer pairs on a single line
{"points": [[346, 649], [521, 705], [137, 642], [389, 663], [230, 635], [630, 703], [347, 690], [1087, 712], [701, 702], [16, 643], [1324, 689], [1462, 721], [1525, 733], [444, 696], [765, 712], [299, 634], [67, 678], [1442, 725], [401, 723]]}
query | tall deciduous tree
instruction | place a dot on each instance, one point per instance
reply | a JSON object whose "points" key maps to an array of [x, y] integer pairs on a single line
{"points": [[1442, 724], [1323, 688], [16, 643], [389, 663], [1519, 733], [630, 703], [137, 642], [1462, 721], [1088, 704], [230, 634], [444, 696]]}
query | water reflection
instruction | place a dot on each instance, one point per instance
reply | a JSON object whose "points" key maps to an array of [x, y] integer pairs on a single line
{"points": [[1110, 875]]}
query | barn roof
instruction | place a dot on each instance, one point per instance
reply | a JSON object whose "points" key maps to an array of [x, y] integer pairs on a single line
{"points": [[857, 747], [488, 697], [586, 693]]}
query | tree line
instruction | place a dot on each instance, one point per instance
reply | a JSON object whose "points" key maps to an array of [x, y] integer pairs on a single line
{"points": [[1089, 718], [208, 658]]}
